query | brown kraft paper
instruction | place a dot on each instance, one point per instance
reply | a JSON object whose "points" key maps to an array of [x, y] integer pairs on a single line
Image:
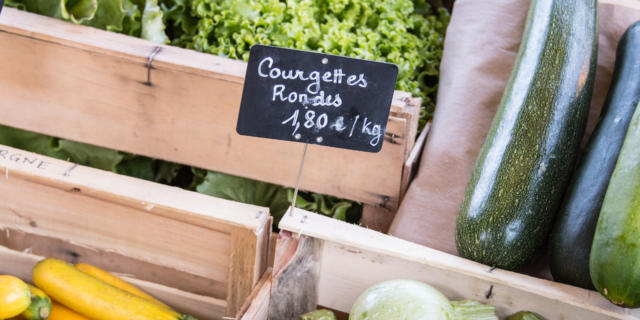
{"points": [[480, 50]]}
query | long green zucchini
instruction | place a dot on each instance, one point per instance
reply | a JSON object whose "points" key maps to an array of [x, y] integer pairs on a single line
{"points": [[572, 235], [526, 161], [615, 254]]}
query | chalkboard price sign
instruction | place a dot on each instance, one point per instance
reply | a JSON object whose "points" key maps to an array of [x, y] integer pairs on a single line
{"points": [[316, 98]]}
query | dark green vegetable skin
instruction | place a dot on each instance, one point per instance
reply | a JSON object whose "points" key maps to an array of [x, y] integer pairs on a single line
{"points": [[572, 235], [526, 161], [615, 253]]}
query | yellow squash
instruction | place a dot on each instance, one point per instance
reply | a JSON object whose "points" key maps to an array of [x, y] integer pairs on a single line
{"points": [[115, 281], [14, 296], [40, 306], [95, 298], [60, 312]]}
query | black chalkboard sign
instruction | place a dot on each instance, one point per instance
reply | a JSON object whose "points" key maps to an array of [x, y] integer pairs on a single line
{"points": [[316, 98], [1, 5]]}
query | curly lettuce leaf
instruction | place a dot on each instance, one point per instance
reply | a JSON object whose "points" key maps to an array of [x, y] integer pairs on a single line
{"points": [[132, 22], [408, 33], [180, 23], [76, 11], [140, 18], [152, 24]]}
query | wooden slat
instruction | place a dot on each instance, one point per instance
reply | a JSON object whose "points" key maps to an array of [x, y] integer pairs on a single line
{"points": [[90, 85], [411, 164], [100, 224], [249, 260], [223, 241], [73, 252], [205, 308], [256, 307], [294, 286], [354, 258], [213, 213]]}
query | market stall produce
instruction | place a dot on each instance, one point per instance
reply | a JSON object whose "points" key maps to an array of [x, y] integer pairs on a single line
{"points": [[142, 198]]}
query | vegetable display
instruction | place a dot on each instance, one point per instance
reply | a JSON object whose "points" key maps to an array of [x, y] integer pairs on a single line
{"points": [[615, 253], [526, 161], [572, 235], [414, 300]]}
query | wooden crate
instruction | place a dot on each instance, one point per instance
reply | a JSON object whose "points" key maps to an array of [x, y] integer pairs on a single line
{"points": [[330, 263], [202, 255], [103, 88]]}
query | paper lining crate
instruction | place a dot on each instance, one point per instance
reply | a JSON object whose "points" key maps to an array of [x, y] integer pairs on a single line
{"points": [[330, 263], [202, 255], [164, 102]]}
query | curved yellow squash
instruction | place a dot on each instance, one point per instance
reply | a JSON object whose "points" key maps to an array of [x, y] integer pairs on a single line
{"points": [[60, 312], [40, 306], [95, 298], [14, 296], [115, 281]]}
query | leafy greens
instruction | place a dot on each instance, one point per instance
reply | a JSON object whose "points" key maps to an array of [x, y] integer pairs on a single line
{"points": [[409, 33]]}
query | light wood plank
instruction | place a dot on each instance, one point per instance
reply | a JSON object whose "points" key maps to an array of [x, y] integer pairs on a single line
{"points": [[53, 212], [18, 264], [249, 259], [73, 252], [154, 198], [355, 258], [294, 289], [411, 164], [186, 231], [256, 307], [80, 83]]}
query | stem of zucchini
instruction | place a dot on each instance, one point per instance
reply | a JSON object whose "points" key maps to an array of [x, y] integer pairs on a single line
{"points": [[473, 310]]}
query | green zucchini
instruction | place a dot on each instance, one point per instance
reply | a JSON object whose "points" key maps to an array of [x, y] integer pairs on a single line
{"points": [[526, 161], [572, 234], [615, 254]]}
